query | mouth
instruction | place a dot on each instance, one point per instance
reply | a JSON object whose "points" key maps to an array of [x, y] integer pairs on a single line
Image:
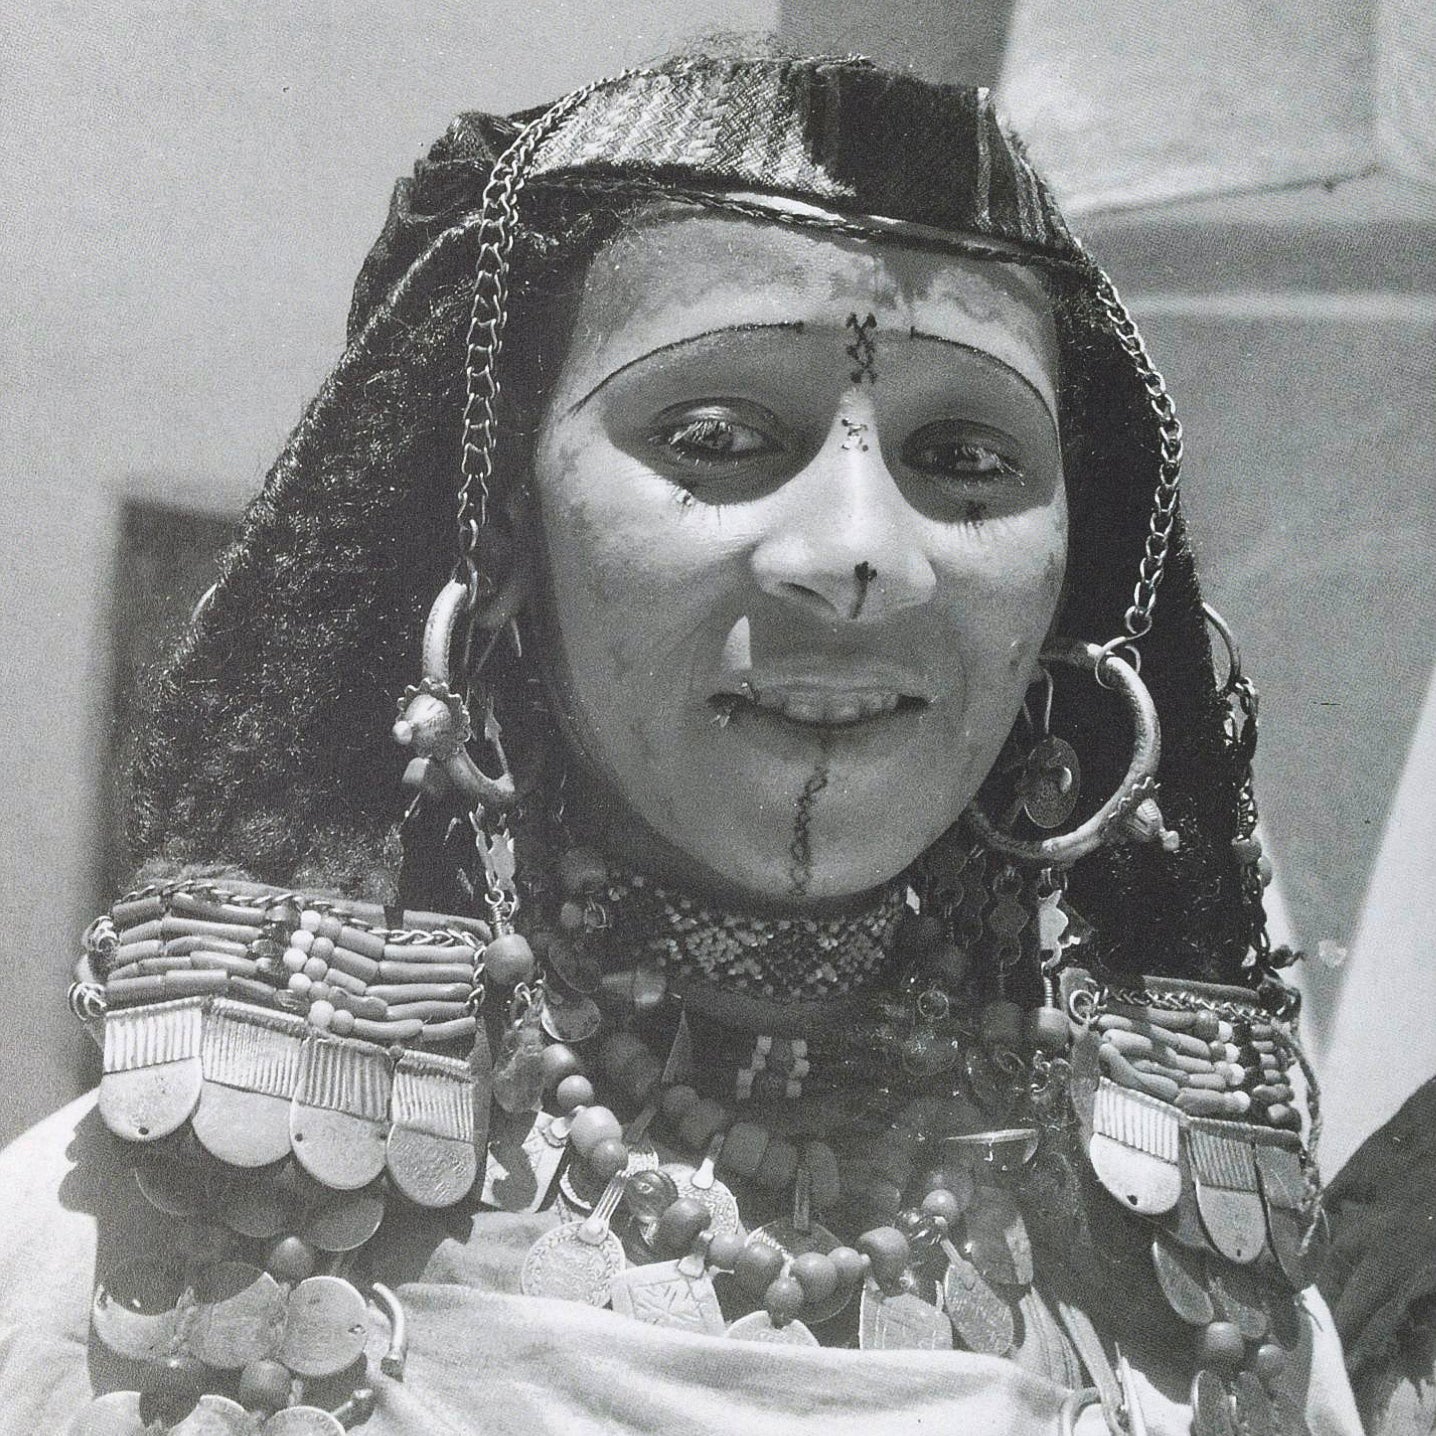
{"points": [[812, 706]]}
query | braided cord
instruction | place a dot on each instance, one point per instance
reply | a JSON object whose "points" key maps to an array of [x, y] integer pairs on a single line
{"points": [[1137, 621]]}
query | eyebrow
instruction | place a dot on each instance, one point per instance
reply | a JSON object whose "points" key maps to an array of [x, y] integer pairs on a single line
{"points": [[915, 333], [790, 326]]}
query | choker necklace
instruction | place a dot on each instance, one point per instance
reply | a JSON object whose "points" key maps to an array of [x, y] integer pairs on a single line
{"points": [[786, 958], [623, 919]]}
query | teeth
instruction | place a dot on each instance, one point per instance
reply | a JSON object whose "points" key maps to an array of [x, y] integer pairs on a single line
{"points": [[875, 703], [812, 706]]}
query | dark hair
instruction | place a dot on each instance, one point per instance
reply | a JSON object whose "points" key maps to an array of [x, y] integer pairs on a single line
{"points": [[270, 753]]}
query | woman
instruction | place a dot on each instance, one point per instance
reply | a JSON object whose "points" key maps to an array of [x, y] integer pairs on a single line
{"points": [[771, 930]]}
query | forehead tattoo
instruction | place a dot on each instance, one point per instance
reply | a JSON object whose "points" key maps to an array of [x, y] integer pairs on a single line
{"points": [[863, 351]]}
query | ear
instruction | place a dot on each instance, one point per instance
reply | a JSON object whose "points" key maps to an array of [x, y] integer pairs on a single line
{"points": [[507, 555]]}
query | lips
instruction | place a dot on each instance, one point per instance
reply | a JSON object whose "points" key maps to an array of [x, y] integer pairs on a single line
{"points": [[824, 705]]}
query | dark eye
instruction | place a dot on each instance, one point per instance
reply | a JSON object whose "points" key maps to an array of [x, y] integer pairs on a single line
{"points": [[963, 453], [714, 435]]}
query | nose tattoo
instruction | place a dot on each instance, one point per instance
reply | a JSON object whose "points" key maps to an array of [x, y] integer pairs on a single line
{"points": [[865, 574], [854, 437], [863, 351]]}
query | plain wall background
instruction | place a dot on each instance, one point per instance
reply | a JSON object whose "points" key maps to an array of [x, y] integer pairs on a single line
{"points": [[190, 188]]}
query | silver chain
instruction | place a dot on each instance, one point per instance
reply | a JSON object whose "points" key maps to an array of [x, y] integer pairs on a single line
{"points": [[1138, 619], [487, 318]]}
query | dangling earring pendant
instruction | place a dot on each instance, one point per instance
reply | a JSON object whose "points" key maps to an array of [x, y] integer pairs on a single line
{"points": [[1131, 814], [1049, 777]]}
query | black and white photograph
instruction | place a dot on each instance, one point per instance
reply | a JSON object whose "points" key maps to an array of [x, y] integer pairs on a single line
{"points": [[722, 718]]}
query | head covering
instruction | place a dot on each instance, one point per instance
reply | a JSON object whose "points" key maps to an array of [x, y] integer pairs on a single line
{"points": [[270, 749], [826, 132]]}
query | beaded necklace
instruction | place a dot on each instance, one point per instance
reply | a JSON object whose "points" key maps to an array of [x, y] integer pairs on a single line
{"points": [[848, 1170]]}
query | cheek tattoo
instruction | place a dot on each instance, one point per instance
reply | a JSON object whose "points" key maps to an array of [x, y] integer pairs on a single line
{"points": [[863, 351]]}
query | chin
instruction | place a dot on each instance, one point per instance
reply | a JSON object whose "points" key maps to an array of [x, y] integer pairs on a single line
{"points": [[844, 856]]}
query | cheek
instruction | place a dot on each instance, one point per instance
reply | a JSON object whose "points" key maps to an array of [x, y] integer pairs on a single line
{"points": [[1004, 582], [632, 576]]}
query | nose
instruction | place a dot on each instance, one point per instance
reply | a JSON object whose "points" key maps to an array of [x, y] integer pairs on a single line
{"points": [[845, 545]]}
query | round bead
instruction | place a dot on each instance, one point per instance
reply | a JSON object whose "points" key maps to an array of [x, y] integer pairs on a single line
{"points": [[677, 1102], [757, 1265], [264, 1385], [816, 1274], [315, 969], [724, 1250], [294, 959], [570, 916], [940, 1202], [581, 870], [887, 1249], [299, 983], [743, 1147], [557, 1062], [309, 920], [592, 1126], [509, 959], [703, 1121], [290, 1259], [321, 1015], [174, 1385], [573, 1091], [1220, 1346], [342, 1023], [679, 1226], [321, 992], [607, 1159], [849, 1264], [783, 1299], [322, 947], [1270, 1361], [1047, 1029], [649, 1193]]}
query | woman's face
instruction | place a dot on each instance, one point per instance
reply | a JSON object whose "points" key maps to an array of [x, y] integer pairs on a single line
{"points": [[806, 528]]}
